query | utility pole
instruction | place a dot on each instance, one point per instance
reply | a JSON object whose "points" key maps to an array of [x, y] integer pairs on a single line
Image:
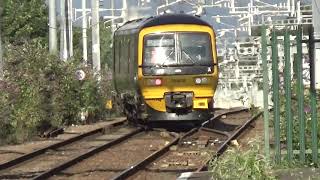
{"points": [[52, 27], [124, 13], [95, 37], [84, 32], [69, 26], [1, 60], [316, 24], [112, 14], [63, 32]]}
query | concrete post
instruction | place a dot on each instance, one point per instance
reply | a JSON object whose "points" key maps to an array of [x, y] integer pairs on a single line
{"points": [[316, 24], [1, 52], [95, 37], [52, 27], [84, 32], [63, 32]]}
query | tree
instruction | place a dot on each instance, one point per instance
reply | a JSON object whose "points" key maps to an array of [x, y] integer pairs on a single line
{"points": [[25, 20], [106, 50], [105, 45]]}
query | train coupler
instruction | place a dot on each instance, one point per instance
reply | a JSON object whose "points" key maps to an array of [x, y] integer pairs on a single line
{"points": [[179, 102]]}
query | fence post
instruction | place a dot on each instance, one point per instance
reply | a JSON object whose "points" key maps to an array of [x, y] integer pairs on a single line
{"points": [[275, 85], [265, 91], [300, 95], [287, 79], [313, 99]]}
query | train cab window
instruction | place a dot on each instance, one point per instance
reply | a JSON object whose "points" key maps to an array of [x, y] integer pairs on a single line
{"points": [[195, 48], [159, 49], [178, 48]]}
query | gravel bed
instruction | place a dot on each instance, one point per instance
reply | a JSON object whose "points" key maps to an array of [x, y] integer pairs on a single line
{"points": [[53, 158], [9, 152], [110, 162], [194, 151]]}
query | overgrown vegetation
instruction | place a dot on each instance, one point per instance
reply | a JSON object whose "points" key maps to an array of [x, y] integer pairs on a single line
{"points": [[239, 164], [296, 123], [24, 20], [38, 90], [41, 91]]}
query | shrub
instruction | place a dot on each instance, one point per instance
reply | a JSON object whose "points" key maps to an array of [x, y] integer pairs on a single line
{"points": [[46, 93]]}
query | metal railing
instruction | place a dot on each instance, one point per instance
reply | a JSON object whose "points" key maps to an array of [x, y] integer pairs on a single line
{"points": [[288, 117]]}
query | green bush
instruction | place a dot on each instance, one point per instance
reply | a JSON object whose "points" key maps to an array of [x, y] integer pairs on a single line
{"points": [[237, 164], [296, 123], [46, 93]]}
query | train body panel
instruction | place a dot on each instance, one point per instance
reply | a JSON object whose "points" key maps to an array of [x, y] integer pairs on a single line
{"points": [[170, 68]]}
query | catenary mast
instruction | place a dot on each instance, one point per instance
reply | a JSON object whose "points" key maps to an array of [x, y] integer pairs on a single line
{"points": [[52, 27], [95, 36], [1, 60], [316, 24], [84, 32]]}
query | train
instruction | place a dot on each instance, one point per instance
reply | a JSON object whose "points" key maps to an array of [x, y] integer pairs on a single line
{"points": [[165, 68]]}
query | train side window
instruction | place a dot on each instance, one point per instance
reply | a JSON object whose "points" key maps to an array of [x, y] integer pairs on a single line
{"points": [[132, 56], [124, 62], [116, 57], [129, 56], [120, 57]]}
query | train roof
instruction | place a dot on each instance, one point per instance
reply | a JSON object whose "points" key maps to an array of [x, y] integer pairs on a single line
{"points": [[135, 26]]}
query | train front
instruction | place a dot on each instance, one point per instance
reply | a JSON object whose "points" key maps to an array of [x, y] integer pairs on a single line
{"points": [[178, 71]]}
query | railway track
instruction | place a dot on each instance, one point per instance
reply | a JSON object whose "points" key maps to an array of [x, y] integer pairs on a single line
{"points": [[115, 160], [193, 151], [130, 153], [36, 163]]}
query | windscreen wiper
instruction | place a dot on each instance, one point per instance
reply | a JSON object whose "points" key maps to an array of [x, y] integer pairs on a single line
{"points": [[189, 57]]}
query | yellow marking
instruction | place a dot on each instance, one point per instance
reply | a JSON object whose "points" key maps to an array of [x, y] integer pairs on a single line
{"points": [[157, 104], [188, 85], [174, 83], [200, 103], [109, 104]]}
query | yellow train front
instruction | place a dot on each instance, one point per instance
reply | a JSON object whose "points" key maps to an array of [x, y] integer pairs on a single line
{"points": [[165, 68]]}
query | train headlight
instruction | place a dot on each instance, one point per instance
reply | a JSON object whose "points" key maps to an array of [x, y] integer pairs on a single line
{"points": [[198, 80], [201, 80], [153, 82]]}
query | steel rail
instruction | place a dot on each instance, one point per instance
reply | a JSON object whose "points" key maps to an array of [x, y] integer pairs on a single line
{"points": [[133, 169], [232, 111], [137, 167], [236, 134], [39, 152], [86, 155], [215, 131]]}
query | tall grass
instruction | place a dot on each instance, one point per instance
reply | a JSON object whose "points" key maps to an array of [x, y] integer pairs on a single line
{"points": [[242, 165]]}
